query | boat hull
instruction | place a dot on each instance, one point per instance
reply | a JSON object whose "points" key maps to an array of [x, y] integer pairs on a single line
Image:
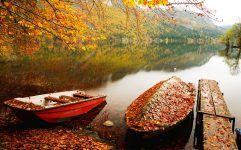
{"points": [[54, 114], [175, 138], [64, 113], [162, 107]]}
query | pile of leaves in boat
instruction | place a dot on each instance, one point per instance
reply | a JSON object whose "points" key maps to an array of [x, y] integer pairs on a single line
{"points": [[16, 135], [23, 105], [161, 106]]}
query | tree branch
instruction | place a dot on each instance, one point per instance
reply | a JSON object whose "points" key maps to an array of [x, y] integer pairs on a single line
{"points": [[43, 17], [54, 9], [42, 28], [188, 3], [11, 14]]}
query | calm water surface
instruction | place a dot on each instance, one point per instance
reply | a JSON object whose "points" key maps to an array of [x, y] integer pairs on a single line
{"points": [[123, 73]]}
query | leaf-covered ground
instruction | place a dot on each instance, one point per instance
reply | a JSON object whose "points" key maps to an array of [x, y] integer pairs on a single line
{"points": [[15, 134]]}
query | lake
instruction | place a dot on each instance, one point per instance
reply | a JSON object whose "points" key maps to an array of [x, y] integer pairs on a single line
{"points": [[123, 72]]}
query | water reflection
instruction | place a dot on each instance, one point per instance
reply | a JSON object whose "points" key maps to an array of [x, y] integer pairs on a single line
{"points": [[48, 71], [123, 73], [232, 57], [174, 139]]}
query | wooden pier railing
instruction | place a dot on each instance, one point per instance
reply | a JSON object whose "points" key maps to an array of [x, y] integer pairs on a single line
{"points": [[214, 117]]}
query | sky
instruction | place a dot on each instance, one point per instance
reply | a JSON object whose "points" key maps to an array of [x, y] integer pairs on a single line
{"points": [[228, 10]]}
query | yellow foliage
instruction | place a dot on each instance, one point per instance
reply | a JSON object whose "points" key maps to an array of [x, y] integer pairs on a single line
{"points": [[83, 48], [130, 2], [148, 3], [6, 4], [54, 19]]}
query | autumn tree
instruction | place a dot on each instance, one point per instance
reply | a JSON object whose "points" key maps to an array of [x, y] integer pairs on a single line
{"points": [[23, 23], [232, 35], [137, 18], [237, 33], [26, 25]]}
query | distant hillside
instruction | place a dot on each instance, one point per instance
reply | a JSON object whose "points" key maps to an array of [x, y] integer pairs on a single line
{"points": [[193, 21], [190, 26], [124, 25], [226, 27]]}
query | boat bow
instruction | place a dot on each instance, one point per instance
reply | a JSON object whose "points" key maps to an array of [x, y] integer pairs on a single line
{"points": [[162, 106]]}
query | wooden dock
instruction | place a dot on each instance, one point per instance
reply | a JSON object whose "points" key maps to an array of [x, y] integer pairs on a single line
{"points": [[214, 117]]}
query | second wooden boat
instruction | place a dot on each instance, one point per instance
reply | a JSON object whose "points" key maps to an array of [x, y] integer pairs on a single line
{"points": [[161, 107]]}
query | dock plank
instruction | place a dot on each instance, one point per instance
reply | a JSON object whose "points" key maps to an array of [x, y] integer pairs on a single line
{"points": [[218, 134], [219, 102], [206, 99], [217, 130]]}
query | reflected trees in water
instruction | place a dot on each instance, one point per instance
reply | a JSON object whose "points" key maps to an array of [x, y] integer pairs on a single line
{"points": [[232, 57], [57, 71]]}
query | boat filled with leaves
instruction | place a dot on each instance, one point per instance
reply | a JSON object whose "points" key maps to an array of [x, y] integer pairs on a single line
{"points": [[54, 107], [161, 107]]}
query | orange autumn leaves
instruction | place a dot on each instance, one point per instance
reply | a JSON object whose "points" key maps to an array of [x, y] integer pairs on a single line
{"points": [[36, 22], [26, 26], [162, 106], [149, 3]]}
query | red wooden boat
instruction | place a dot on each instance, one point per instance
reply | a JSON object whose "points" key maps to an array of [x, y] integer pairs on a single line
{"points": [[162, 107], [54, 107]]}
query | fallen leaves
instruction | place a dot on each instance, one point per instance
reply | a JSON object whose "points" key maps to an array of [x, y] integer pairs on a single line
{"points": [[217, 133], [16, 135], [23, 105], [48, 139], [162, 106], [212, 97], [70, 135], [77, 97]]}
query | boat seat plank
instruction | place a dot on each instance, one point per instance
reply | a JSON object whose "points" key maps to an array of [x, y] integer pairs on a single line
{"points": [[81, 95], [70, 98], [56, 99]]}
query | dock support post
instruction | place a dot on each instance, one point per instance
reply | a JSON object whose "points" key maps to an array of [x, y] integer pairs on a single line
{"points": [[233, 125]]}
